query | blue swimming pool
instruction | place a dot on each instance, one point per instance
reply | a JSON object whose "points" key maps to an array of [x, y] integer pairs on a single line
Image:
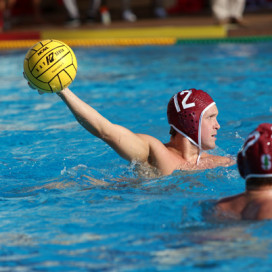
{"points": [[53, 218]]}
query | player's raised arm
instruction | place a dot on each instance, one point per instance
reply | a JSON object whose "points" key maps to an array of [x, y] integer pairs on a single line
{"points": [[126, 143], [50, 66]]}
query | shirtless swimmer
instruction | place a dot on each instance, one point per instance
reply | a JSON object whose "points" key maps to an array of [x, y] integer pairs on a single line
{"points": [[255, 166], [192, 115]]}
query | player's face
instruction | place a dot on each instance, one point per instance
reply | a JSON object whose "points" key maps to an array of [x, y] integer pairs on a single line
{"points": [[209, 127]]}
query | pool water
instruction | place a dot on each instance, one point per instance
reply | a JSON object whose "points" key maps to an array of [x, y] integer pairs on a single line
{"points": [[69, 203]]}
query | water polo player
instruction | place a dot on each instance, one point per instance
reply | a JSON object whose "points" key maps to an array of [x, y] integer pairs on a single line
{"points": [[192, 114], [255, 166], [185, 113]]}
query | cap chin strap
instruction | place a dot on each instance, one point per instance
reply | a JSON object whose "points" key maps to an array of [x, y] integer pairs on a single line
{"points": [[186, 136], [191, 140], [199, 155]]}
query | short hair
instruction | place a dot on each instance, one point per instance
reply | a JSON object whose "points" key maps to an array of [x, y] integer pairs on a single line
{"points": [[172, 132], [254, 182]]}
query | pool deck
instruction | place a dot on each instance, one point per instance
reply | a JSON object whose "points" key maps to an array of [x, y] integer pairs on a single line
{"points": [[171, 30]]}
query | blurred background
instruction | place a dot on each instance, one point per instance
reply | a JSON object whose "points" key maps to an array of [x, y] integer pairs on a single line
{"points": [[17, 14]]}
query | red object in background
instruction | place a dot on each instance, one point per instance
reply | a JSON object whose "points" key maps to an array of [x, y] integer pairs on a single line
{"points": [[1, 21], [15, 36], [23, 7], [186, 6], [26, 7]]}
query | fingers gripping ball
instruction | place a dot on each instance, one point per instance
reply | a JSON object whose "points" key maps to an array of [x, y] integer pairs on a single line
{"points": [[50, 66]]}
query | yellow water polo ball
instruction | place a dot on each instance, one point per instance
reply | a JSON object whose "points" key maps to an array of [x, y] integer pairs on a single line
{"points": [[50, 66]]}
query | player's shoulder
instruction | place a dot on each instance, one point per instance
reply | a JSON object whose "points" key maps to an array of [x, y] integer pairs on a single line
{"points": [[265, 209], [150, 139], [156, 147], [231, 206], [230, 199]]}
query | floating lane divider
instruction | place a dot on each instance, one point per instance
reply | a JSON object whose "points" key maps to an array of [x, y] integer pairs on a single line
{"points": [[247, 39], [93, 42], [168, 35]]}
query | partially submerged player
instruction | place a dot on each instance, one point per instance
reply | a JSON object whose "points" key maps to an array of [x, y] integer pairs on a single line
{"points": [[255, 166], [192, 115]]}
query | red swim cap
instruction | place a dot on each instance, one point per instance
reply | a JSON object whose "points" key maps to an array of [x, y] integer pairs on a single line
{"points": [[185, 111], [254, 160]]}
